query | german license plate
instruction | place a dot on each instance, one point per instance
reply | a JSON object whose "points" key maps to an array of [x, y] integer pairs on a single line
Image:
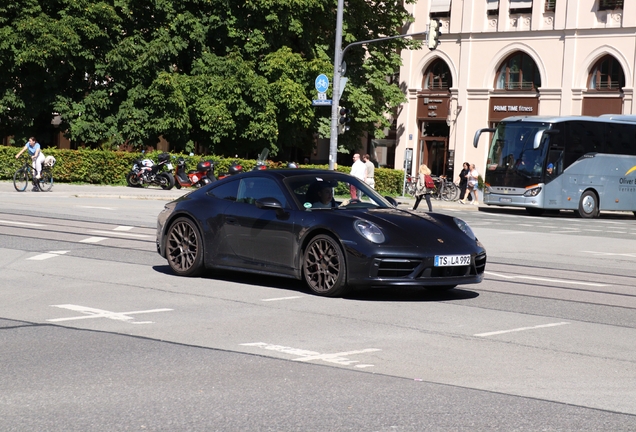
{"points": [[451, 260], [506, 200]]}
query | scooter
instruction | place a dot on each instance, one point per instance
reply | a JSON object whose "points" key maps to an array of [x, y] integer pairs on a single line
{"points": [[145, 171], [204, 174], [261, 162], [235, 168]]}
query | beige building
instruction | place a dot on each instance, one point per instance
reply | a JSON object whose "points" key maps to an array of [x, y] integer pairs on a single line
{"points": [[499, 58]]}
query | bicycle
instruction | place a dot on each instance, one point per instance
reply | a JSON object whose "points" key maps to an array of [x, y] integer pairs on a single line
{"points": [[411, 185], [445, 189], [44, 183]]}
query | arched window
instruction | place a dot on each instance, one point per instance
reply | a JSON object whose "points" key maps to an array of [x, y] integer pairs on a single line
{"points": [[518, 72], [607, 75], [437, 77]]}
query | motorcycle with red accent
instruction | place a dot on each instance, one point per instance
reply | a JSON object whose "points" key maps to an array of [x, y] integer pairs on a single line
{"points": [[204, 174]]}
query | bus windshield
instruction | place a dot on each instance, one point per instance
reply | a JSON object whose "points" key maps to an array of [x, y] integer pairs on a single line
{"points": [[512, 159]]}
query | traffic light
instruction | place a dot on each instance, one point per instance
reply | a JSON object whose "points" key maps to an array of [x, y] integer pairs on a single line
{"points": [[434, 31], [343, 121]]}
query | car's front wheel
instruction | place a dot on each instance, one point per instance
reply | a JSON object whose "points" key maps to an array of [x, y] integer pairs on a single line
{"points": [[324, 267], [184, 248]]}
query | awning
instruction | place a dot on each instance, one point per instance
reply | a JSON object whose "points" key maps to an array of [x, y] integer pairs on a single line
{"points": [[492, 5], [440, 6]]}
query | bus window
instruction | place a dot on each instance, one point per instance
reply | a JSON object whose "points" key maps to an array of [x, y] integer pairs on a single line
{"points": [[621, 139]]}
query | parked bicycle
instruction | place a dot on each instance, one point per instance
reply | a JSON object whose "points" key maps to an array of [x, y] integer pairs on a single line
{"points": [[410, 185], [445, 189], [26, 172]]}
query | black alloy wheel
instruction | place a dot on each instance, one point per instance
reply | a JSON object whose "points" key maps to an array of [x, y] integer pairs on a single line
{"points": [[184, 248], [324, 267]]}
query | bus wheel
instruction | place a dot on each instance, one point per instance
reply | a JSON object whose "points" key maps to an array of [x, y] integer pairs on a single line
{"points": [[588, 206]]}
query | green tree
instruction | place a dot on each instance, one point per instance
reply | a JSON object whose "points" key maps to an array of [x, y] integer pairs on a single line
{"points": [[231, 76]]}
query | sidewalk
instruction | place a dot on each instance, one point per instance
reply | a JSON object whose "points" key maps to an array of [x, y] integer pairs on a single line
{"points": [[154, 193]]}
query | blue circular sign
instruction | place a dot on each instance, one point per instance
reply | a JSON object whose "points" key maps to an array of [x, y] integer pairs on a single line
{"points": [[322, 83]]}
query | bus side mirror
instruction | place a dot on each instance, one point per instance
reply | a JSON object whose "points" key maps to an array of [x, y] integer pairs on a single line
{"points": [[478, 134], [538, 138]]}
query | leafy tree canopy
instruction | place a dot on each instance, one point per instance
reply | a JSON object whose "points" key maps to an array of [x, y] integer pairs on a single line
{"points": [[230, 76]]}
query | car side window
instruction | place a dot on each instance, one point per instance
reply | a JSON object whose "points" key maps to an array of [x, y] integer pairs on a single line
{"points": [[254, 188], [226, 191]]}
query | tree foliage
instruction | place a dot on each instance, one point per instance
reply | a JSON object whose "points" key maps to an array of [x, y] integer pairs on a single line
{"points": [[229, 76]]}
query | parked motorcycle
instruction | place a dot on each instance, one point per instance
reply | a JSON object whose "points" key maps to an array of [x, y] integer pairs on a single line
{"points": [[261, 161], [204, 174], [235, 168], [146, 172]]}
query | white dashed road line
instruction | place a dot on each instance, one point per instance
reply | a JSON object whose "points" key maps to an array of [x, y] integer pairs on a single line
{"points": [[47, 255], [520, 329], [539, 279]]}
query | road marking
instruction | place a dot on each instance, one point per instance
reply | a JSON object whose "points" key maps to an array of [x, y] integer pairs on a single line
{"points": [[281, 298], [47, 255], [122, 234], [92, 239], [629, 255], [34, 225], [123, 228], [520, 329], [545, 279], [306, 355], [100, 313], [99, 208]]}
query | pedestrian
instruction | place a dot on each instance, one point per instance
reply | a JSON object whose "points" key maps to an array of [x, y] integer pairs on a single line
{"points": [[463, 180], [358, 170], [369, 177], [37, 158], [421, 190], [472, 185]]}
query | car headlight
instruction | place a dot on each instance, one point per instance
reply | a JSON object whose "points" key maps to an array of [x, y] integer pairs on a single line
{"points": [[465, 228], [369, 231]]}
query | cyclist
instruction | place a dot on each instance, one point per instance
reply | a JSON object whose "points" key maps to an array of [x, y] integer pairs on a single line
{"points": [[33, 147]]}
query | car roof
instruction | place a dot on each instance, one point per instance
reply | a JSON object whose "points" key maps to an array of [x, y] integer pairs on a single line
{"points": [[291, 172]]}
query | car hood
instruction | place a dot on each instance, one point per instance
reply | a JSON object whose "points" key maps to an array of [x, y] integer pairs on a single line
{"points": [[422, 230]]}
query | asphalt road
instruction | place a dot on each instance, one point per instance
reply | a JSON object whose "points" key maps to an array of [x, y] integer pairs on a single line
{"points": [[97, 334]]}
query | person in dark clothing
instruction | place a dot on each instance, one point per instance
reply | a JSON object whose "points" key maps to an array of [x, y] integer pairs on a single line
{"points": [[463, 180]]}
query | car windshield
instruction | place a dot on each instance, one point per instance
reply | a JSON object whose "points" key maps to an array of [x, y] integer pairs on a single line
{"points": [[334, 191]]}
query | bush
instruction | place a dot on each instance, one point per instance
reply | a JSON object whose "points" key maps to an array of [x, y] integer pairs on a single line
{"points": [[110, 167]]}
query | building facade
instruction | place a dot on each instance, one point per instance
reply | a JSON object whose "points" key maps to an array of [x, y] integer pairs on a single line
{"points": [[499, 58]]}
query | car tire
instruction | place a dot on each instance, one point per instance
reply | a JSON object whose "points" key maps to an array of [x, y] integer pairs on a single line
{"points": [[588, 205], [184, 248], [324, 267]]}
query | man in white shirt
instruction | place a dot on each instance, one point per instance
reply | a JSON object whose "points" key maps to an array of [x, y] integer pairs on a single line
{"points": [[359, 171]]}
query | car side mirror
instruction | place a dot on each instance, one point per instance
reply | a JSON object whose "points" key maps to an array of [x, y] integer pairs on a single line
{"points": [[391, 201], [269, 203]]}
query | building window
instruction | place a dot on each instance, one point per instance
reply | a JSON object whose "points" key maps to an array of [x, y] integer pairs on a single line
{"points": [[440, 8], [520, 6], [492, 7], [518, 72], [607, 75], [610, 4], [437, 77], [550, 5]]}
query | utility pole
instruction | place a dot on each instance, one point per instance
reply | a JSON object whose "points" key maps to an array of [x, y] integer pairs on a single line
{"points": [[337, 74], [335, 99]]}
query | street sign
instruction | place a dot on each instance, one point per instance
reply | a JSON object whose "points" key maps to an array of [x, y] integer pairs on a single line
{"points": [[321, 102], [322, 83]]}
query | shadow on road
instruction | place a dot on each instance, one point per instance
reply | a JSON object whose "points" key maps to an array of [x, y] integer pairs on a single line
{"points": [[402, 294]]}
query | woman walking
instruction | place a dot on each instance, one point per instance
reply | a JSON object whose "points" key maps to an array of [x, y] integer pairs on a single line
{"points": [[463, 179], [421, 190], [472, 185]]}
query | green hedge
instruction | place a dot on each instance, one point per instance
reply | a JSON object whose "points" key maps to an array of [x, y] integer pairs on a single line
{"points": [[107, 167]]}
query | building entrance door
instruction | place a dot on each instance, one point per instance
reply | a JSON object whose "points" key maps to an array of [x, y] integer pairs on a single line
{"points": [[433, 154]]}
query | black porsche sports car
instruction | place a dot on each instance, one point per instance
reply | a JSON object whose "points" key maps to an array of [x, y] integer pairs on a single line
{"points": [[325, 227]]}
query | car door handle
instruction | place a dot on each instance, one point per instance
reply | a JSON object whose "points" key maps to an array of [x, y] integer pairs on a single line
{"points": [[230, 220]]}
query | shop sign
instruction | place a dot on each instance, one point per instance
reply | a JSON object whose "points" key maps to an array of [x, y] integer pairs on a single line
{"points": [[502, 107], [432, 107]]}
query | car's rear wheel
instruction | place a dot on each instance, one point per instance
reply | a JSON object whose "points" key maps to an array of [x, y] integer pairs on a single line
{"points": [[324, 267], [184, 248]]}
